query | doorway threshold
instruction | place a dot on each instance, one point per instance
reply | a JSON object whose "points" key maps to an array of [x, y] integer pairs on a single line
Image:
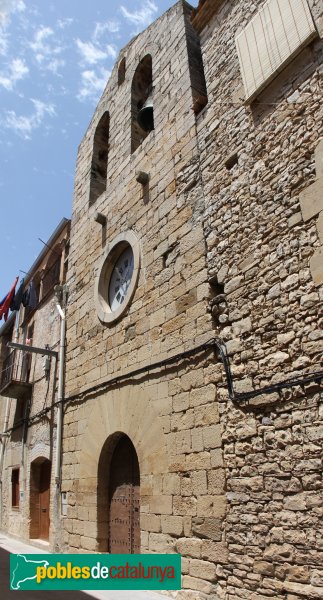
{"points": [[43, 544]]}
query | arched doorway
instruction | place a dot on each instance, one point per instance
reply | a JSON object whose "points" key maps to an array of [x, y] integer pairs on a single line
{"points": [[40, 475], [124, 499]]}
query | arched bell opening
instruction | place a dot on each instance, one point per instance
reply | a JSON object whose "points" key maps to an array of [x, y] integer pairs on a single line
{"points": [[122, 71], [142, 110], [99, 165]]}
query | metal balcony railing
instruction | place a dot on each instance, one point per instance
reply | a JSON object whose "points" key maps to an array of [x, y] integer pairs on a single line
{"points": [[14, 377]]}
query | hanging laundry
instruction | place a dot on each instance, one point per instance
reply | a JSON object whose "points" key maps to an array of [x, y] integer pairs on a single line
{"points": [[29, 297], [17, 298], [5, 305]]}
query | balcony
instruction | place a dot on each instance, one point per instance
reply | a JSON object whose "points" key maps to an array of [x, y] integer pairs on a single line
{"points": [[14, 377]]}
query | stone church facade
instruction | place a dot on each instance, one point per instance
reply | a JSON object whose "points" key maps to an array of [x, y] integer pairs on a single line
{"points": [[192, 416], [194, 373]]}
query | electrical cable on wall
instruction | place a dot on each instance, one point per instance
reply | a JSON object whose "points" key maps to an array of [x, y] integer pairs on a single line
{"points": [[216, 345]]}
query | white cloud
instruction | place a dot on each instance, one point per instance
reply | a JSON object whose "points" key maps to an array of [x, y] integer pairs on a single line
{"points": [[24, 125], [107, 26], [7, 7], [92, 54], [16, 70], [63, 23], [55, 64], [93, 84], [142, 17], [46, 49], [3, 43], [40, 44]]}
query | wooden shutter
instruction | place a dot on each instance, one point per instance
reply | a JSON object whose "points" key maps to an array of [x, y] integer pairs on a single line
{"points": [[276, 33]]}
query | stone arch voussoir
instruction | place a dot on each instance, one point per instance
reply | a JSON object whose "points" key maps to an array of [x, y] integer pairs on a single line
{"points": [[130, 411]]}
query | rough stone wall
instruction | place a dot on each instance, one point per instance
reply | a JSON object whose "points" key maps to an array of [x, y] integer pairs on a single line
{"points": [[261, 171]]}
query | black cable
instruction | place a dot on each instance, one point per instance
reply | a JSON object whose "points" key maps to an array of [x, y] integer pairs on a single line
{"points": [[215, 345], [242, 396]]}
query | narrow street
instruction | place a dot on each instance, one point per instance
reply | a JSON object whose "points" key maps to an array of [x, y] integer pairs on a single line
{"points": [[9, 545], [7, 593]]}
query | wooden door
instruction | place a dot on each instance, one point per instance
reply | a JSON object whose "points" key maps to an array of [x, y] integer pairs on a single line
{"points": [[124, 494], [44, 495]]}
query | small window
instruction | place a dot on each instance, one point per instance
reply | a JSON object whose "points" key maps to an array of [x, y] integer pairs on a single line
{"points": [[122, 71], [15, 488], [117, 277], [272, 38], [20, 411]]}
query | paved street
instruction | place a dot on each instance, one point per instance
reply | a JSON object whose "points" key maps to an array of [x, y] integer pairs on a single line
{"points": [[8, 545]]}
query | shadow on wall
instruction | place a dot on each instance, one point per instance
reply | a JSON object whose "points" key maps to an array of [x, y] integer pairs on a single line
{"points": [[286, 83]]}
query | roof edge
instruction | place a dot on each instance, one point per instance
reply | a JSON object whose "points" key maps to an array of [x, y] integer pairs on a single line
{"points": [[204, 12], [62, 224], [60, 227]]}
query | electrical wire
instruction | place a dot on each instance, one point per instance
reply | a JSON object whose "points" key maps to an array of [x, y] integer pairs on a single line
{"points": [[216, 345]]}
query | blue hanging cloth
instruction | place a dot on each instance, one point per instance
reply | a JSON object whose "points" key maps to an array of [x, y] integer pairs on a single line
{"points": [[17, 298], [29, 297]]}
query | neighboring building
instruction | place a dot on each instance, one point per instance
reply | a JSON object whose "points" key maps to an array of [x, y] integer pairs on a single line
{"points": [[195, 220], [28, 396]]}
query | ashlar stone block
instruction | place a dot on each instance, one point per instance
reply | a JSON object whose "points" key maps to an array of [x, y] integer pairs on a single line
{"points": [[311, 200], [316, 265]]}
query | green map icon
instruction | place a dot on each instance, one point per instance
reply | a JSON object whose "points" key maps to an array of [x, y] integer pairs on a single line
{"points": [[24, 570], [95, 571]]}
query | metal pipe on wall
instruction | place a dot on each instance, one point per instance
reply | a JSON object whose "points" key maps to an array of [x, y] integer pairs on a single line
{"points": [[2, 450], [59, 424]]}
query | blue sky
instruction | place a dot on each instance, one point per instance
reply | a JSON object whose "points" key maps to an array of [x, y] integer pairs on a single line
{"points": [[55, 59]]}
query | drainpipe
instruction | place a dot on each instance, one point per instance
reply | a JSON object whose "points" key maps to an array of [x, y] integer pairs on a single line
{"points": [[2, 450], [61, 292]]}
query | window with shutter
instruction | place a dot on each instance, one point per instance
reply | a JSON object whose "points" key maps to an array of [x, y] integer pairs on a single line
{"points": [[273, 37]]}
